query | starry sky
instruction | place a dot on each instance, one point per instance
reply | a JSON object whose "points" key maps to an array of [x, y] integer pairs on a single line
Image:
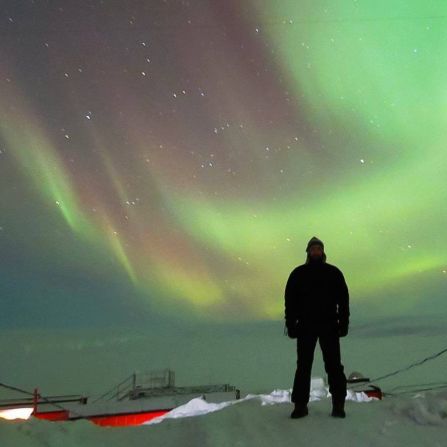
{"points": [[171, 159]]}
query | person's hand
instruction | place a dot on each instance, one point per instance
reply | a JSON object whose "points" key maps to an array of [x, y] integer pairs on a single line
{"points": [[292, 330], [342, 331]]}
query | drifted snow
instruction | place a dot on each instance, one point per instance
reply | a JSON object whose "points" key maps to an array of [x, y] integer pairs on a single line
{"points": [[199, 406], [424, 409], [258, 421]]}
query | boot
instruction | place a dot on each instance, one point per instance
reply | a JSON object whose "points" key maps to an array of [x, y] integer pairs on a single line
{"points": [[338, 409], [299, 411]]}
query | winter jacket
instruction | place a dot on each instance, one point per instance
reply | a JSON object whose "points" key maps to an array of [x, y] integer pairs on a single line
{"points": [[316, 300]]}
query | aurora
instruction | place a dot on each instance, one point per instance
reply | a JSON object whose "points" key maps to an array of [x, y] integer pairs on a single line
{"points": [[189, 151]]}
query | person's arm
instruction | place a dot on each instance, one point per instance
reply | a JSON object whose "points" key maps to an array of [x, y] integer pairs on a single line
{"points": [[343, 304], [290, 311]]}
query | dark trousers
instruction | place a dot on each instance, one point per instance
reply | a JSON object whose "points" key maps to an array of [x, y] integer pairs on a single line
{"points": [[330, 347]]}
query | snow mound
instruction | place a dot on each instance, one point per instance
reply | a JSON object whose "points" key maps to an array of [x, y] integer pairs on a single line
{"points": [[424, 409], [199, 406]]}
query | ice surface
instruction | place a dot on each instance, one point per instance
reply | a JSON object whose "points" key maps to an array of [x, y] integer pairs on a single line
{"points": [[260, 418]]}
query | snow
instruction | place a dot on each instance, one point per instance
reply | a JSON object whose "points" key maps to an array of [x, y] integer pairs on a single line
{"points": [[257, 420], [262, 416], [200, 406], [424, 409]]}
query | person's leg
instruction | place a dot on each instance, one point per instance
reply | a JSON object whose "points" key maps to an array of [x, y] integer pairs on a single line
{"points": [[330, 347], [305, 354]]}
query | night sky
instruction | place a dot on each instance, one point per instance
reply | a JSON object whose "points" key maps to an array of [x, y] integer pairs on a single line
{"points": [[171, 159]]}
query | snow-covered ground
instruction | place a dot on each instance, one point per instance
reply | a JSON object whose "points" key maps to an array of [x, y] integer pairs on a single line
{"points": [[262, 416], [199, 406], [257, 420]]}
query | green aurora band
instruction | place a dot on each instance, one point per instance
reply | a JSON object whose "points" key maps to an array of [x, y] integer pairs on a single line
{"points": [[369, 78]]}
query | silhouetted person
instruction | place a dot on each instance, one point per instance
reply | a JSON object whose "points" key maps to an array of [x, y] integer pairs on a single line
{"points": [[317, 308]]}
